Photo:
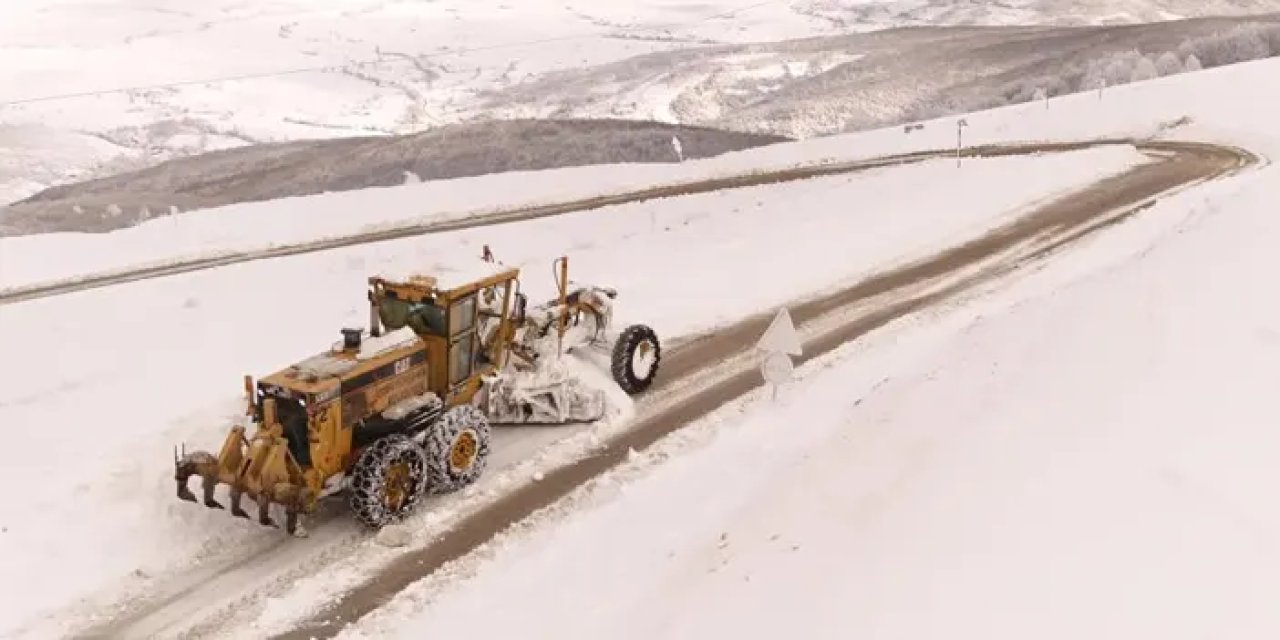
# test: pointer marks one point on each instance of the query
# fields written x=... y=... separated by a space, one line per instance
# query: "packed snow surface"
x=1086 y=451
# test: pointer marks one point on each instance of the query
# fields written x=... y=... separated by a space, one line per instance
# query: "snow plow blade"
x=530 y=398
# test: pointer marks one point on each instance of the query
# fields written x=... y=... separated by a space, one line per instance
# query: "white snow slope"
x=1086 y=451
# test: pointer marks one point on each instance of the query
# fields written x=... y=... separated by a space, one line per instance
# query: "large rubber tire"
x=628 y=370
x=374 y=501
x=457 y=448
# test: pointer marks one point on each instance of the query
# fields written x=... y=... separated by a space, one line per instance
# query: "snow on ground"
x=158 y=362
x=113 y=378
x=1086 y=453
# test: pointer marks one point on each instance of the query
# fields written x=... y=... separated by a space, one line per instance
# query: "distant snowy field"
x=457 y=48
x=377 y=66
x=1085 y=452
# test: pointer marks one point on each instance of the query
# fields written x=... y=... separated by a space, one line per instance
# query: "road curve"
x=62 y=287
x=898 y=292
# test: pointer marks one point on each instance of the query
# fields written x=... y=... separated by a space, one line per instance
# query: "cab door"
x=463 y=341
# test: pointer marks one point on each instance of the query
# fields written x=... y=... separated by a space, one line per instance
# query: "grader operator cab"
x=404 y=408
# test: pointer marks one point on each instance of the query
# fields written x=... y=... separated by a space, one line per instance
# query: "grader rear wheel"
x=387 y=480
x=457 y=448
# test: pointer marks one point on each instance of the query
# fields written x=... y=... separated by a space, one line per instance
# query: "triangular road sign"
x=781 y=336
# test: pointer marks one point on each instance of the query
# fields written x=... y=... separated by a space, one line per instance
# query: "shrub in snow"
x=1144 y=69
x=1117 y=68
x=1239 y=44
x=1168 y=64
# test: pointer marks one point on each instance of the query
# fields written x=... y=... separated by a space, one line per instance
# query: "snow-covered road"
x=139 y=335
x=1086 y=454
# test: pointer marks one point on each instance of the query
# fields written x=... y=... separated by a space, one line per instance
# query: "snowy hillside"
x=292 y=69
x=835 y=84
x=1084 y=451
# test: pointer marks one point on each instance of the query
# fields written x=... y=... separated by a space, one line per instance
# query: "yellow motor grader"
x=404 y=408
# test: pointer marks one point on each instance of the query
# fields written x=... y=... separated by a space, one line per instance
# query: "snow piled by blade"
x=619 y=406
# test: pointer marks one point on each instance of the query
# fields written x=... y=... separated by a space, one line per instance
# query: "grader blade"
x=524 y=398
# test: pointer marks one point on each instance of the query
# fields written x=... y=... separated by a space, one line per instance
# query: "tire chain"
x=438 y=443
x=369 y=476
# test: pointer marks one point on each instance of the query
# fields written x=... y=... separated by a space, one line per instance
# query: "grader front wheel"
x=635 y=360
x=387 y=480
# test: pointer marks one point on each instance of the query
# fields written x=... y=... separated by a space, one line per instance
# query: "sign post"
x=779 y=342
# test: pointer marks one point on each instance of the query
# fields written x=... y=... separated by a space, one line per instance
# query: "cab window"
x=462 y=316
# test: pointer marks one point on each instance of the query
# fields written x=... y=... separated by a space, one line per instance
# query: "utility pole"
x=960 y=125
